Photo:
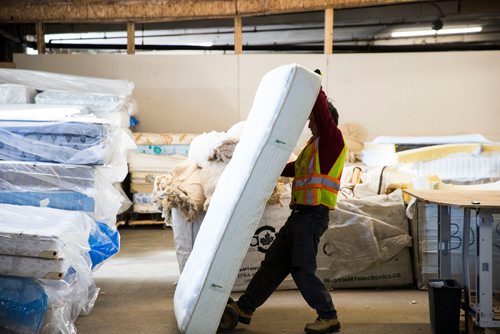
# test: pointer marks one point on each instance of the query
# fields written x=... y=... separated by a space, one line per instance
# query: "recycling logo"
x=263 y=238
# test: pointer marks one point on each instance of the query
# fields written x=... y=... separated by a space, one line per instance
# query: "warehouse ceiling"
x=265 y=29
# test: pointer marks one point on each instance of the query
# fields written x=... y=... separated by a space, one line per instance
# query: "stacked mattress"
x=11 y=93
x=59 y=186
x=58 y=204
x=67 y=187
x=115 y=108
x=454 y=158
x=156 y=154
x=40 y=247
x=72 y=141
x=282 y=104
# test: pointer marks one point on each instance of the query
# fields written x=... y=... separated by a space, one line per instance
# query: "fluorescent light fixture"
x=430 y=32
x=465 y=30
x=205 y=44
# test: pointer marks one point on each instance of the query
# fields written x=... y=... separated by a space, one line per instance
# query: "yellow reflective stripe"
x=316 y=186
x=313 y=157
x=315 y=196
x=317 y=181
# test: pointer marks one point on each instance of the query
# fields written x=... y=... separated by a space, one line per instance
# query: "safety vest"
x=310 y=187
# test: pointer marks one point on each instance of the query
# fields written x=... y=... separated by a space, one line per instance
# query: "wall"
x=400 y=94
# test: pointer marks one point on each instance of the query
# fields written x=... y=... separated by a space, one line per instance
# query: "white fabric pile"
x=189 y=187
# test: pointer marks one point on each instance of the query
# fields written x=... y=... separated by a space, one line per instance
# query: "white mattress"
x=281 y=107
x=144 y=208
x=41 y=242
x=462 y=162
x=11 y=265
x=10 y=93
x=139 y=162
x=434 y=140
x=460 y=167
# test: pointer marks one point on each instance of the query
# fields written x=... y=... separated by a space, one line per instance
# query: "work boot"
x=243 y=316
x=323 y=326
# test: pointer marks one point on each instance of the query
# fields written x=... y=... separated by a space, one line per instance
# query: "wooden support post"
x=40 y=38
x=130 y=38
x=238 y=35
x=329 y=30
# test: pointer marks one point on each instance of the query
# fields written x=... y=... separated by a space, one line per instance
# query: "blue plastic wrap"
x=104 y=242
x=23 y=304
x=64 y=200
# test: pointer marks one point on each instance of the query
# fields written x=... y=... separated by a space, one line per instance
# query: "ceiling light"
x=430 y=32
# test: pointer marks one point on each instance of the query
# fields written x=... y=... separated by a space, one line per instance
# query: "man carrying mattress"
x=316 y=173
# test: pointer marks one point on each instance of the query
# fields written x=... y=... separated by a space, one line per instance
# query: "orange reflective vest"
x=310 y=187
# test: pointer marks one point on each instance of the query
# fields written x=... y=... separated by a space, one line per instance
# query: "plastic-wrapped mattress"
x=66 y=200
x=13 y=265
x=58 y=186
x=42 y=242
x=10 y=93
x=55 y=81
x=74 y=142
x=282 y=104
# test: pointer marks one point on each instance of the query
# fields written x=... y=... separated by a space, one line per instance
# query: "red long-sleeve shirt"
x=331 y=141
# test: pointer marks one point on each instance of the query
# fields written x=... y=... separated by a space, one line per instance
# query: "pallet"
x=145 y=222
x=121 y=223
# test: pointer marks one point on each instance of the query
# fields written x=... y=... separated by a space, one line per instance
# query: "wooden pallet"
x=145 y=222
x=120 y=223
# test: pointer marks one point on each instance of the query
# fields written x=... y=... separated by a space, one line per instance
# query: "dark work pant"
x=293 y=251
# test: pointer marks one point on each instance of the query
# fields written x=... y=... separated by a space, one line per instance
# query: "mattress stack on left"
x=58 y=205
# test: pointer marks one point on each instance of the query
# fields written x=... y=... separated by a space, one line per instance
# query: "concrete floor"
x=137 y=288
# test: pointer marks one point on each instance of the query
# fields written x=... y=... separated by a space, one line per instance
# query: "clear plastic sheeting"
x=72 y=142
x=64 y=236
x=16 y=94
x=95 y=103
x=69 y=298
x=37 y=112
x=55 y=81
x=115 y=108
x=60 y=186
x=29 y=305
x=63 y=135
x=40 y=241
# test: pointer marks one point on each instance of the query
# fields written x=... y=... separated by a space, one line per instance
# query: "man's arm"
x=331 y=141
x=289 y=170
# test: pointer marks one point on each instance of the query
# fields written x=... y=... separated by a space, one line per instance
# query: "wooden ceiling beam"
x=108 y=11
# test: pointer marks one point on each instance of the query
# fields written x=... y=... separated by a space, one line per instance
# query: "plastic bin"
x=445 y=298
